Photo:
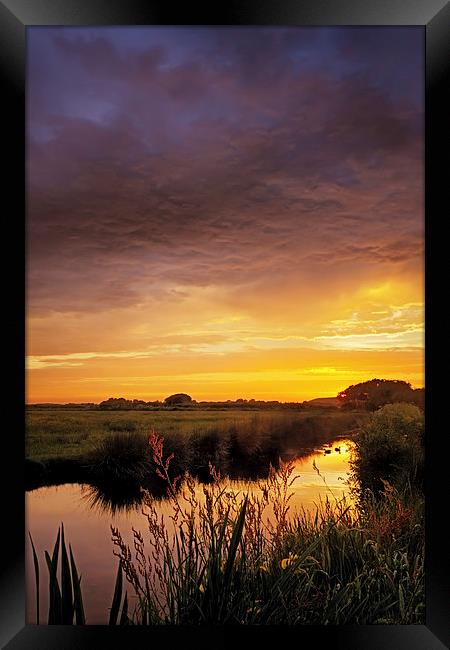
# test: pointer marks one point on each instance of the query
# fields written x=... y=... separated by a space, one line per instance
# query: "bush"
x=390 y=448
x=179 y=399
x=121 y=456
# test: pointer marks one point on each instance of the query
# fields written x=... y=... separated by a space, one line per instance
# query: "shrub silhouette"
x=378 y=392
x=177 y=399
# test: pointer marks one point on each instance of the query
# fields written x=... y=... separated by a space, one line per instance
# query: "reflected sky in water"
x=87 y=524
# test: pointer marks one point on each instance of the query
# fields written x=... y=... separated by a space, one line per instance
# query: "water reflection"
x=112 y=499
x=119 y=496
x=88 y=512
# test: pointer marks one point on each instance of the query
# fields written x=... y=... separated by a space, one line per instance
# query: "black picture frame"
x=15 y=17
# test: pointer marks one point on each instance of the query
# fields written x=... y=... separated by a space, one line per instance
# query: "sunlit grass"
x=71 y=434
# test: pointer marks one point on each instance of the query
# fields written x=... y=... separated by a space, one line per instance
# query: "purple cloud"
x=196 y=157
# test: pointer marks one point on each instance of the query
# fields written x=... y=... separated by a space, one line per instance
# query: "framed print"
x=224 y=288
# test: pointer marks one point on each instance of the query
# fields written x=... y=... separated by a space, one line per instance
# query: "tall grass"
x=228 y=557
x=64 y=591
x=106 y=449
x=65 y=598
x=241 y=449
x=72 y=434
x=122 y=456
x=223 y=560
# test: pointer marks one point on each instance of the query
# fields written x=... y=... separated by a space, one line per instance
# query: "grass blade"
x=124 y=620
x=54 y=610
x=36 y=573
x=78 y=598
x=234 y=542
x=232 y=551
x=56 y=551
x=117 y=598
x=66 y=585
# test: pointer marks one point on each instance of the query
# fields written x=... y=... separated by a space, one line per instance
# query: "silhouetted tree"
x=378 y=392
x=177 y=399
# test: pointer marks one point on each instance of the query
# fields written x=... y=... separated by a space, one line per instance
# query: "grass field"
x=225 y=563
x=71 y=434
x=350 y=563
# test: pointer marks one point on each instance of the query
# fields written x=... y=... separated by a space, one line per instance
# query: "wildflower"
x=168 y=459
x=287 y=561
x=156 y=444
x=202 y=588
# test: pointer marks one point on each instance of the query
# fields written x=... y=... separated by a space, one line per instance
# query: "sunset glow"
x=226 y=212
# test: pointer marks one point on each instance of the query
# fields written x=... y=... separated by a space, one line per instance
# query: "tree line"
x=369 y=395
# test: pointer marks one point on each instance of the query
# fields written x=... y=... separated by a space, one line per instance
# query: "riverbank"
x=281 y=560
x=93 y=447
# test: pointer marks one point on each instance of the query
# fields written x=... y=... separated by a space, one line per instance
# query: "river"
x=87 y=525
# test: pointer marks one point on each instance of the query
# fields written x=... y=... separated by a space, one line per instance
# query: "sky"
x=227 y=212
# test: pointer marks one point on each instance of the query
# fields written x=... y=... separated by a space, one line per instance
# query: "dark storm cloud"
x=217 y=156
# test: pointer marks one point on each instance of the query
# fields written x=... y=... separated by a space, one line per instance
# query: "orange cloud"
x=242 y=219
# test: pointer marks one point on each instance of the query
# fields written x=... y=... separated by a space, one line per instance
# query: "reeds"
x=223 y=560
x=64 y=588
x=226 y=557
x=121 y=457
x=117 y=600
x=65 y=598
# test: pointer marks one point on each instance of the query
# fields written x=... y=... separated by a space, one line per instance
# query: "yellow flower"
x=202 y=589
x=287 y=561
x=265 y=567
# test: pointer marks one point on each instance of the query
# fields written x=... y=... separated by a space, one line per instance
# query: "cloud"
x=177 y=176
x=290 y=373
